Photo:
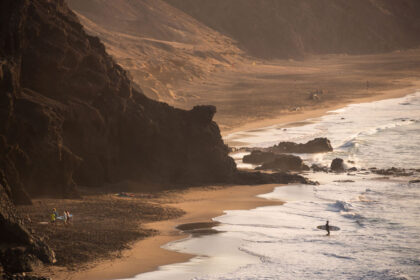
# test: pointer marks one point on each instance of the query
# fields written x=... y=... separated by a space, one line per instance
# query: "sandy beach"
x=294 y=118
x=200 y=206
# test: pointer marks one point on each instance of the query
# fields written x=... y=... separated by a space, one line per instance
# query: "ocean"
x=379 y=216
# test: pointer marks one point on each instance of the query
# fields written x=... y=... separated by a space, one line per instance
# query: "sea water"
x=379 y=216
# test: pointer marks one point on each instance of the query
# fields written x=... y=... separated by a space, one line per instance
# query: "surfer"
x=327 y=228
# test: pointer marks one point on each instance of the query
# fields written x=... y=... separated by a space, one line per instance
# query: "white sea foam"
x=379 y=219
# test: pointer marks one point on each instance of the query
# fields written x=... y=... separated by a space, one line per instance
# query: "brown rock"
x=317 y=145
x=284 y=163
x=337 y=165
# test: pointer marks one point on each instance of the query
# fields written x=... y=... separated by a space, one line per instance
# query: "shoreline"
x=192 y=200
x=287 y=118
x=200 y=205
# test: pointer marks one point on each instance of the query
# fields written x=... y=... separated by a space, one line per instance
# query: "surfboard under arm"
x=332 y=228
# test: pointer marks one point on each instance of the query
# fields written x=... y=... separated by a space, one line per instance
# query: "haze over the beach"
x=154 y=139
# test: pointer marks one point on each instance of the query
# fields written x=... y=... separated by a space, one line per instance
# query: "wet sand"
x=200 y=206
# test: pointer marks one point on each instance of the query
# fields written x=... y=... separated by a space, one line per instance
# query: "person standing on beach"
x=327 y=227
x=53 y=218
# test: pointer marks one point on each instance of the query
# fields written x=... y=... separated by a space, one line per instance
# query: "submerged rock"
x=392 y=171
x=337 y=165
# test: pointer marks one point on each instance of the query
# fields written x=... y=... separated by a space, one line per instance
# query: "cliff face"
x=290 y=28
x=72 y=117
x=69 y=116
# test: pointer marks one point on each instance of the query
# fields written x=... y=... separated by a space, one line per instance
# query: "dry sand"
x=200 y=205
x=261 y=93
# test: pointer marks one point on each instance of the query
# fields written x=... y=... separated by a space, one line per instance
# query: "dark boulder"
x=337 y=165
x=317 y=145
x=259 y=157
x=284 y=163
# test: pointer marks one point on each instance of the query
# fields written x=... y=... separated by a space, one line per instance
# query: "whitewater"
x=379 y=216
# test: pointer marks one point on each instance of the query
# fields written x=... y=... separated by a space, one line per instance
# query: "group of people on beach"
x=67 y=217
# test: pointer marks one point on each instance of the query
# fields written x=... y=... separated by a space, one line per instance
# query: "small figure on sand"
x=327 y=227
x=54 y=215
x=67 y=216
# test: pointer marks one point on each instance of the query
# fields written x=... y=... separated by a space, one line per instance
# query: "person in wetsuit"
x=327 y=228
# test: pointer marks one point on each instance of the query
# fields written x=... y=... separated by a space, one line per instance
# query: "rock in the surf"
x=259 y=157
x=285 y=163
x=317 y=145
x=337 y=165
x=392 y=171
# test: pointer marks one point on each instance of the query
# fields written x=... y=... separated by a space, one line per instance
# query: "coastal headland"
x=139 y=168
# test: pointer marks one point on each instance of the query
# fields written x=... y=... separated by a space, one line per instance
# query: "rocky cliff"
x=72 y=116
x=291 y=28
x=69 y=116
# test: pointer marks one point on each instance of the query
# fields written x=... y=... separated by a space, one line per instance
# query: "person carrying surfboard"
x=327 y=227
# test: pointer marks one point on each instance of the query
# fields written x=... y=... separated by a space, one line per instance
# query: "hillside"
x=289 y=28
x=159 y=45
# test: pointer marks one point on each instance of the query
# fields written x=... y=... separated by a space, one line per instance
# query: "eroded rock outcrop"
x=317 y=145
x=259 y=157
x=284 y=163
